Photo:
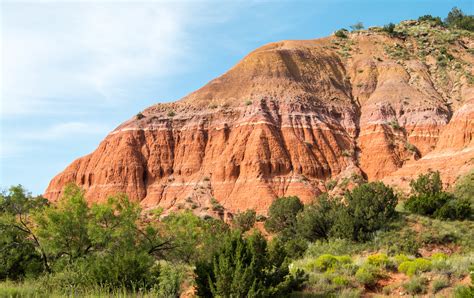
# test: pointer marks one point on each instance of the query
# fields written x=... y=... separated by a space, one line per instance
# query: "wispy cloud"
x=66 y=130
x=85 y=51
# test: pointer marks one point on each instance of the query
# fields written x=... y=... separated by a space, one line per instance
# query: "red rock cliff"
x=292 y=116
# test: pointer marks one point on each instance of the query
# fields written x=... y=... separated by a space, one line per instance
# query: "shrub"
x=282 y=215
x=410 y=147
x=464 y=188
x=416 y=266
x=245 y=267
x=341 y=33
x=245 y=220
x=346 y=153
x=427 y=204
x=463 y=292
x=389 y=28
x=340 y=280
x=170 y=279
x=433 y=20
x=379 y=260
x=400 y=259
x=367 y=276
x=369 y=207
x=331 y=184
x=171 y=114
x=139 y=116
x=416 y=285
x=394 y=124
x=454 y=209
x=439 y=284
x=429 y=199
x=327 y=262
x=248 y=102
x=316 y=220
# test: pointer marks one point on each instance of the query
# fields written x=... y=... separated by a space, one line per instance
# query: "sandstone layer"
x=294 y=117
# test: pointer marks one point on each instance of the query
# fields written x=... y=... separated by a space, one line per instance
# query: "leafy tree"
x=245 y=267
x=316 y=220
x=63 y=228
x=357 y=26
x=20 y=254
x=368 y=208
x=282 y=215
x=457 y=19
x=194 y=238
x=245 y=220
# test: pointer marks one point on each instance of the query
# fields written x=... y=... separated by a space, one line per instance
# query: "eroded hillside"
x=297 y=118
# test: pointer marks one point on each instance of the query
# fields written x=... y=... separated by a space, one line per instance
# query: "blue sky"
x=73 y=71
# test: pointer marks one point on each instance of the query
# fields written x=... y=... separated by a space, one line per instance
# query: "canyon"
x=297 y=117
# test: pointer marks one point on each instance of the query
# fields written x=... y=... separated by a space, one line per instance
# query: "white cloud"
x=54 y=54
x=66 y=130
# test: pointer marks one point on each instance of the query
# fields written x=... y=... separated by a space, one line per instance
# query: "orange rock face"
x=289 y=118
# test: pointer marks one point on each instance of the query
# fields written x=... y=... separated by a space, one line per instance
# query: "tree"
x=245 y=220
x=282 y=215
x=194 y=238
x=244 y=267
x=357 y=26
x=428 y=198
x=20 y=253
x=316 y=220
x=368 y=208
x=457 y=19
x=454 y=16
x=427 y=184
x=63 y=228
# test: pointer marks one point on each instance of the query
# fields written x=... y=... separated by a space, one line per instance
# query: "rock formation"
x=292 y=118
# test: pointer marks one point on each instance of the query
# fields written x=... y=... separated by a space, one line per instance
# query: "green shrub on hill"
x=429 y=199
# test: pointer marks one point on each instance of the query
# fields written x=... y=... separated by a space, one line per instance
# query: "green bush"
x=328 y=262
x=440 y=283
x=454 y=209
x=369 y=207
x=430 y=19
x=379 y=260
x=245 y=267
x=464 y=188
x=170 y=280
x=367 y=276
x=316 y=220
x=463 y=292
x=416 y=266
x=282 y=215
x=429 y=199
x=341 y=33
x=245 y=220
x=416 y=285
x=389 y=28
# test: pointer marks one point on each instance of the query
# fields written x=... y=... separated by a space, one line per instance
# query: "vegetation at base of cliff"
x=345 y=245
